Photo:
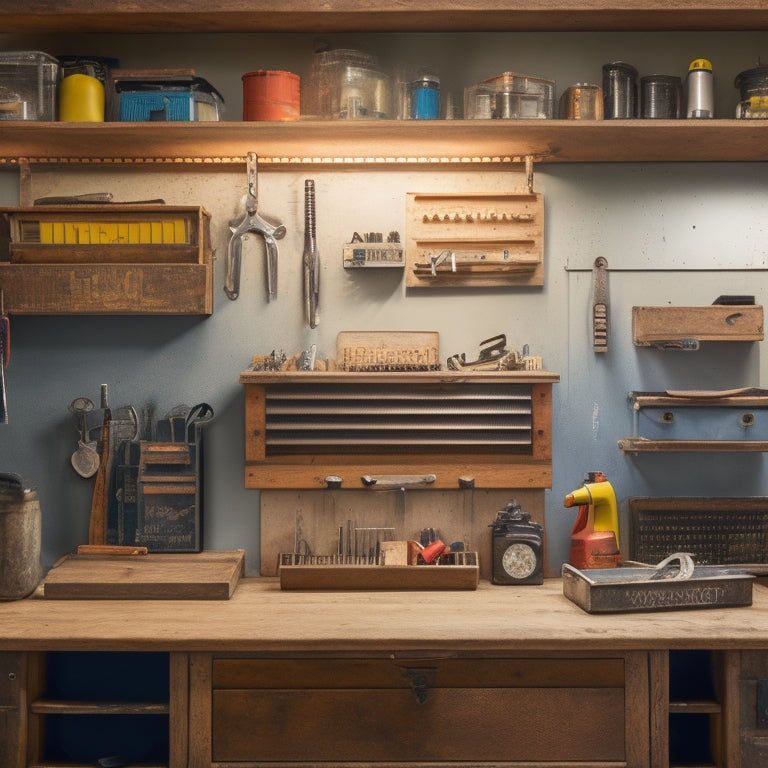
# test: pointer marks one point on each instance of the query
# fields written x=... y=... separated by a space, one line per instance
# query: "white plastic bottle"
x=699 y=89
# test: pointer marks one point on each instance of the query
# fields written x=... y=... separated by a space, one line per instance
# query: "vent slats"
x=338 y=415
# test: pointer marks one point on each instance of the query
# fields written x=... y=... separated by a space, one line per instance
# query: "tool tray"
x=641 y=587
x=119 y=259
x=328 y=574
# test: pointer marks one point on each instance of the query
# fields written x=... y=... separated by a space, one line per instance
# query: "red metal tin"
x=271 y=95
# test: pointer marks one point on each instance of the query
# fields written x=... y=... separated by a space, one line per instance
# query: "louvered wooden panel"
x=492 y=428
x=338 y=416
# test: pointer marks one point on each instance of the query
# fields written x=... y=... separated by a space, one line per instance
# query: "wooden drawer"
x=357 y=710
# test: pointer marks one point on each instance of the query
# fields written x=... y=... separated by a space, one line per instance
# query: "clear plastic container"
x=510 y=96
x=347 y=84
x=28 y=83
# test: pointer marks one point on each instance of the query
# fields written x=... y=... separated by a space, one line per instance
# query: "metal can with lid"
x=583 y=101
x=20 y=538
x=699 y=87
x=660 y=96
x=620 y=91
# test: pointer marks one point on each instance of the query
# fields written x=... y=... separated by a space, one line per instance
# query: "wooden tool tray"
x=378 y=577
x=106 y=259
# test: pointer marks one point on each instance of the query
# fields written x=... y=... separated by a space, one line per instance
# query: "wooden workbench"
x=261 y=617
x=271 y=678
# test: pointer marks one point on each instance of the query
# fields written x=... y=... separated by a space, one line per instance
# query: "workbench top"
x=260 y=617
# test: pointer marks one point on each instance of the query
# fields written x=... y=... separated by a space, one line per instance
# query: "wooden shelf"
x=412 y=143
x=672 y=326
x=695 y=707
x=735 y=399
x=168 y=16
x=56 y=707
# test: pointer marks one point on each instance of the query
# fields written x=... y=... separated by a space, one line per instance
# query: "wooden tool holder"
x=117 y=259
x=157 y=494
x=487 y=240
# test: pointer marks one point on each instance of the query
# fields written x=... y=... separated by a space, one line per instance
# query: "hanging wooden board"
x=474 y=240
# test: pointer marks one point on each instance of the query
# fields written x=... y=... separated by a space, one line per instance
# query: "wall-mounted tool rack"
x=120 y=259
x=474 y=240
x=720 y=419
x=493 y=429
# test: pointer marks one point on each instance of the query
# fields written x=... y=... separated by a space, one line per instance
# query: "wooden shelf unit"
x=415 y=143
x=166 y=16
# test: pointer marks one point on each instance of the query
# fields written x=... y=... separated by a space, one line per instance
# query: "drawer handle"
x=395 y=482
x=418 y=677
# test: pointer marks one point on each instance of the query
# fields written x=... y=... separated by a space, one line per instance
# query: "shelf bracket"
x=529 y=172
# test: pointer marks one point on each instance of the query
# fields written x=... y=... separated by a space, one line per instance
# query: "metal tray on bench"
x=639 y=587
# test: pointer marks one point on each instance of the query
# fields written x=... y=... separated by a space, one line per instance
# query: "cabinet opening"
x=98 y=705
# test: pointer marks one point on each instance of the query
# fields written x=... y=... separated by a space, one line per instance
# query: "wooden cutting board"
x=209 y=575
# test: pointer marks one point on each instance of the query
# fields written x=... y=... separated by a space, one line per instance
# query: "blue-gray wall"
x=672 y=233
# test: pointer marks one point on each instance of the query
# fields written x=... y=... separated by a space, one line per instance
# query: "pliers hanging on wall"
x=252 y=222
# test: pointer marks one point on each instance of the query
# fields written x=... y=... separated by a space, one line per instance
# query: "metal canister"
x=753 y=89
x=20 y=538
x=699 y=86
x=752 y=82
x=620 y=91
x=582 y=101
x=661 y=96
x=270 y=94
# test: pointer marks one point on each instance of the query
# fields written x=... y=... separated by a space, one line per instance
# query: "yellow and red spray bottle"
x=595 y=534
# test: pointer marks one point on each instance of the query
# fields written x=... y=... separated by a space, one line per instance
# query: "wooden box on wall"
x=113 y=259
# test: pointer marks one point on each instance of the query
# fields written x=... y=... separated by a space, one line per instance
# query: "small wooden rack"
x=667 y=326
x=734 y=400
x=117 y=259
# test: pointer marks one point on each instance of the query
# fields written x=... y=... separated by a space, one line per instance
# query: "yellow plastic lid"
x=700 y=64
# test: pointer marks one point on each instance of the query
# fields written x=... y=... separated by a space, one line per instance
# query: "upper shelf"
x=409 y=142
x=170 y=16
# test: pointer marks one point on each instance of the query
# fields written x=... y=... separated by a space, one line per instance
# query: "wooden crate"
x=121 y=259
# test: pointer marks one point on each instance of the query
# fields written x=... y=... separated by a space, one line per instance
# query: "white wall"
x=672 y=233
